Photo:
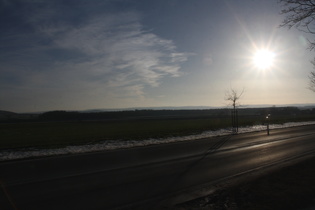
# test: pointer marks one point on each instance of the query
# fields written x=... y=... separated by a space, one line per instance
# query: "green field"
x=59 y=134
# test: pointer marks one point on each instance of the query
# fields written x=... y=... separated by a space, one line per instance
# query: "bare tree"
x=301 y=14
x=233 y=97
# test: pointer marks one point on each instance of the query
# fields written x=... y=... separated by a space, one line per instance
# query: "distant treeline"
x=136 y=114
x=154 y=114
x=165 y=114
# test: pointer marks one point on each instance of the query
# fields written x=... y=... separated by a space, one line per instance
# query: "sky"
x=98 y=54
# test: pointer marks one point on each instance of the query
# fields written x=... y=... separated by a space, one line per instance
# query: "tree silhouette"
x=301 y=14
x=312 y=81
x=233 y=97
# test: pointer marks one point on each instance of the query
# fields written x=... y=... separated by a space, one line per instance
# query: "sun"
x=263 y=59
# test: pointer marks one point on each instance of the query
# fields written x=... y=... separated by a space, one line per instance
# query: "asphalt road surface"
x=145 y=177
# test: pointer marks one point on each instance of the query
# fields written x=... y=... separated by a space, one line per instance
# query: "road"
x=145 y=177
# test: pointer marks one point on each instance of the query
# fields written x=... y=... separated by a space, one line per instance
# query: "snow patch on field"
x=117 y=144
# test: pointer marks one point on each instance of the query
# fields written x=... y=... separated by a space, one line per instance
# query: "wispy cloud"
x=109 y=52
x=117 y=52
x=208 y=59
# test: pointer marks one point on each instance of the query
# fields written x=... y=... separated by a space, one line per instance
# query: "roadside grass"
x=60 y=134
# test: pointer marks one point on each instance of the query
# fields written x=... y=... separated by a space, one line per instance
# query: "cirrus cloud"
x=116 y=52
x=104 y=55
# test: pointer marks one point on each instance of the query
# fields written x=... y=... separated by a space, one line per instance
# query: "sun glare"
x=263 y=59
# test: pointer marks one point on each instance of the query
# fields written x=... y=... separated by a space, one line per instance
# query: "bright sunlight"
x=263 y=59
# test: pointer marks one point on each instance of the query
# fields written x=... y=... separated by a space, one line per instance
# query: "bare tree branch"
x=233 y=97
x=301 y=14
x=312 y=81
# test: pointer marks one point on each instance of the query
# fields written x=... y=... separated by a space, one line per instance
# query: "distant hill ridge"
x=6 y=114
x=155 y=113
x=300 y=106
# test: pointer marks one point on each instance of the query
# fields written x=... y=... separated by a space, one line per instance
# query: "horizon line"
x=169 y=108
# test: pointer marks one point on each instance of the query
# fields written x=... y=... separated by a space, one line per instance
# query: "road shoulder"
x=291 y=186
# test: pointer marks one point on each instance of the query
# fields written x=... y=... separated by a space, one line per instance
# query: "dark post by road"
x=268 y=120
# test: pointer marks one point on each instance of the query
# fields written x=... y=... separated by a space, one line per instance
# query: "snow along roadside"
x=117 y=144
